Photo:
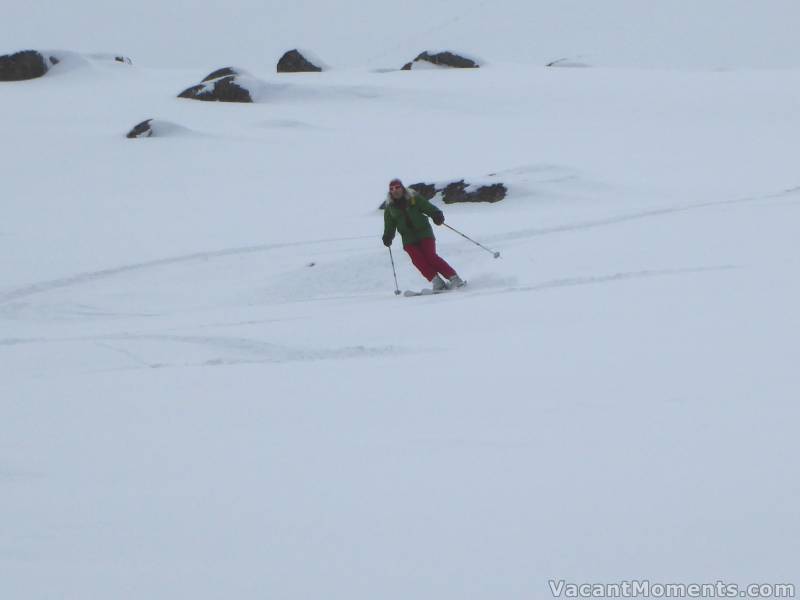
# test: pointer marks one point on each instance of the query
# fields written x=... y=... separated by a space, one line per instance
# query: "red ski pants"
x=424 y=257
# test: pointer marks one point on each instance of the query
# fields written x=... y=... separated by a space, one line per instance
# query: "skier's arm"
x=389 y=227
x=429 y=209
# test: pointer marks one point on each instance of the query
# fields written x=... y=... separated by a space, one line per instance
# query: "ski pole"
x=394 y=272
x=492 y=252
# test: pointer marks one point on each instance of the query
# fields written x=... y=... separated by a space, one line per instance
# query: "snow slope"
x=355 y=33
x=191 y=409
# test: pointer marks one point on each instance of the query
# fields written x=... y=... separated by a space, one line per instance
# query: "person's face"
x=396 y=191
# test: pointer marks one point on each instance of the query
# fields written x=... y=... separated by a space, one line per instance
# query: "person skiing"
x=407 y=211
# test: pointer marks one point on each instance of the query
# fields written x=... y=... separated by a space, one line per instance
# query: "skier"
x=407 y=211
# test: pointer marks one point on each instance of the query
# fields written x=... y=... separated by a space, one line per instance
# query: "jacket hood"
x=409 y=194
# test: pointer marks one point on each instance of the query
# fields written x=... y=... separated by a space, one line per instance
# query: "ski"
x=426 y=292
x=430 y=292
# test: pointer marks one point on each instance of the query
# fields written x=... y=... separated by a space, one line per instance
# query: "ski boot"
x=438 y=284
x=456 y=282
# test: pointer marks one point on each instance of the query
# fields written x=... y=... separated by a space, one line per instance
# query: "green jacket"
x=410 y=218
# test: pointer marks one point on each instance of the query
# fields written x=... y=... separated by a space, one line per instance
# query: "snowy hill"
x=209 y=390
x=354 y=33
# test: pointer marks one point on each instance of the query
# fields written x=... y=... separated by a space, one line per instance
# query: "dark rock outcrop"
x=426 y=190
x=458 y=191
x=443 y=59
x=294 y=62
x=157 y=128
x=142 y=130
x=223 y=72
x=567 y=63
x=28 y=64
x=221 y=85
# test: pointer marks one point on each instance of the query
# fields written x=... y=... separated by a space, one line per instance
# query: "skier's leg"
x=428 y=246
x=420 y=261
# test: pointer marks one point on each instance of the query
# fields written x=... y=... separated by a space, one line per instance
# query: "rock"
x=426 y=190
x=28 y=64
x=443 y=59
x=142 y=130
x=223 y=72
x=109 y=57
x=222 y=85
x=459 y=191
x=567 y=63
x=294 y=62
x=157 y=128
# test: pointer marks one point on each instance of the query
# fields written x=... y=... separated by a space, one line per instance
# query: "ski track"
x=233 y=351
x=313 y=356
x=259 y=351
x=615 y=277
x=471 y=292
x=656 y=212
x=93 y=276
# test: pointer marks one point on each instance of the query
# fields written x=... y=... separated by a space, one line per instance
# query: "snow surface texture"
x=209 y=390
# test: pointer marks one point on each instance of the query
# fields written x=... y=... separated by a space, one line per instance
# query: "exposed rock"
x=223 y=72
x=109 y=57
x=443 y=59
x=157 y=128
x=459 y=191
x=142 y=130
x=567 y=63
x=426 y=190
x=294 y=62
x=28 y=64
x=222 y=85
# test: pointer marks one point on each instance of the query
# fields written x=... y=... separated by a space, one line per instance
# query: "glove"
x=387 y=241
x=438 y=218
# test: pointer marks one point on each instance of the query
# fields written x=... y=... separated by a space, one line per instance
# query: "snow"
x=628 y=33
x=208 y=388
x=424 y=65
